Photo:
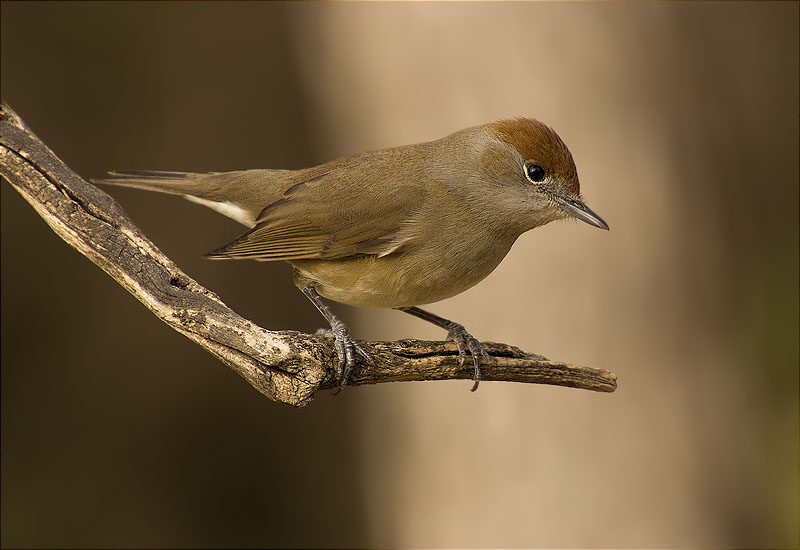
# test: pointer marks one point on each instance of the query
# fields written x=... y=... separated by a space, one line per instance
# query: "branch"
x=285 y=366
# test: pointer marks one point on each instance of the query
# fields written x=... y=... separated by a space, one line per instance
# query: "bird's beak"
x=581 y=211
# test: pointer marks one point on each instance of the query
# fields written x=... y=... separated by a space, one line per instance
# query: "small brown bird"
x=394 y=228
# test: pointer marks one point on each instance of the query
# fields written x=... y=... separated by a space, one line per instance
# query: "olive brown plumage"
x=394 y=228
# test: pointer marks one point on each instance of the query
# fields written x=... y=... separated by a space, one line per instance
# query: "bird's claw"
x=346 y=349
x=464 y=340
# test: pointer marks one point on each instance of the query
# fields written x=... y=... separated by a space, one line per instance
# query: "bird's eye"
x=534 y=172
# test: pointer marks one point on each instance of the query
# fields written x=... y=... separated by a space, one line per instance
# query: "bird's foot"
x=346 y=349
x=455 y=331
x=464 y=340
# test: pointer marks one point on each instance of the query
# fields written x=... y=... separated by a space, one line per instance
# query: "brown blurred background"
x=683 y=121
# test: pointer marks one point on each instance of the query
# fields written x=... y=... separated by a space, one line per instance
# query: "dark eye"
x=534 y=172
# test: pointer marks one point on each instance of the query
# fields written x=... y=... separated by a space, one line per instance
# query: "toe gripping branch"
x=463 y=339
x=346 y=347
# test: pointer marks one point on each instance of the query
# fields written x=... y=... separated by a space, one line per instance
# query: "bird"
x=393 y=228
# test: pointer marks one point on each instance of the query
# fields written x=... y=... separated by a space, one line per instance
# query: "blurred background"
x=683 y=121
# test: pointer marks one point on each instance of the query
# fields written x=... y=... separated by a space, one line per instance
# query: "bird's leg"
x=458 y=333
x=345 y=345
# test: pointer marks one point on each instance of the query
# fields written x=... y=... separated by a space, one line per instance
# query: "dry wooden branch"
x=284 y=366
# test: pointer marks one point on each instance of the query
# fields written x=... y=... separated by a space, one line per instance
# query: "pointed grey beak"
x=581 y=211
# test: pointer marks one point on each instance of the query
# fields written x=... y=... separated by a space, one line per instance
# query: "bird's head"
x=534 y=160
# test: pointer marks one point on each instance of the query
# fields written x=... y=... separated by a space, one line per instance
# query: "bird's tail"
x=239 y=195
x=174 y=183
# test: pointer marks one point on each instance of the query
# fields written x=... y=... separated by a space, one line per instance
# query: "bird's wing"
x=332 y=215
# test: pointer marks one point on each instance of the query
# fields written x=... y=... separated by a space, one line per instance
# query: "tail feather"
x=240 y=195
x=149 y=174
x=174 y=183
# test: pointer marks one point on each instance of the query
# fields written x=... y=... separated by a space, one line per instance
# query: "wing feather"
x=328 y=216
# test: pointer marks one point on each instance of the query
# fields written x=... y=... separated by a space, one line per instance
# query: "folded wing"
x=332 y=215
